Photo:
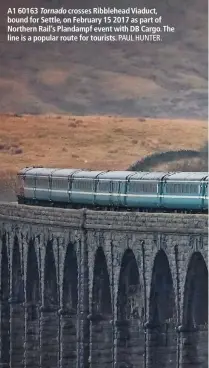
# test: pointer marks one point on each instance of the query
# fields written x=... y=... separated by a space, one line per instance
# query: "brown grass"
x=93 y=142
x=155 y=79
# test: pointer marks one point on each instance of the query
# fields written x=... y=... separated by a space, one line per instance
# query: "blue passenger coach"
x=144 y=190
x=113 y=189
x=184 y=190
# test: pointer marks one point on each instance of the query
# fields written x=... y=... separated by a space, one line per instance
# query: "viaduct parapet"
x=88 y=289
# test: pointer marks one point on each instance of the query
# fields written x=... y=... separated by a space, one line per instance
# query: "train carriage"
x=205 y=194
x=42 y=183
x=183 y=190
x=83 y=187
x=25 y=185
x=114 y=189
x=61 y=182
x=35 y=184
x=111 y=188
x=143 y=190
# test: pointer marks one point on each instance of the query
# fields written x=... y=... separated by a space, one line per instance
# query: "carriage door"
x=115 y=194
x=204 y=203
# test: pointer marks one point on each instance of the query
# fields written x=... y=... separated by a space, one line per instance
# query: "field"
x=96 y=142
x=92 y=142
x=166 y=79
x=65 y=104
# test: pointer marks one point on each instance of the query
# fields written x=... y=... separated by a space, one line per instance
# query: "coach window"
x=170 y=188
x=185 y=188
x=194 y=189
x=82 y=185
x=77 y=185
x=104 y=186
x=179 y=188
x=42 y=182
x=55 y=184
x=149 y=187
x=143 y=188
x=29 y=181
x=62 y=183
x=115 y=186
x=88 y=185
x=132 y=187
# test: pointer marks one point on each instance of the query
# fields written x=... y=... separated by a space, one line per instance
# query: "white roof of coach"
x=188 y=176
x=120 y=175
x=23 y=171
x=148 y=175
x=64 y=172
x=40 y=171
x=87 y=174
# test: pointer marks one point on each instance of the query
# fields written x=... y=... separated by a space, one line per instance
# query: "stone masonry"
x=88 y=289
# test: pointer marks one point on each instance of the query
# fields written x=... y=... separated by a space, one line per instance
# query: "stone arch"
x=32 y=354
x=17 y=279
x=130 y=314
x=50 y=279
x=69 y=310
x=70 y=280
x=17 y=309
x=5 y=310
x=162 y=297
x=32 y=280
x=162 y=349
x=101 y=294
x=100 y=325
x=49 y=315
x=195 y=313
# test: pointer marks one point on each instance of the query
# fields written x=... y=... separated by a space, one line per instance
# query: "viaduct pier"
x=88 y=289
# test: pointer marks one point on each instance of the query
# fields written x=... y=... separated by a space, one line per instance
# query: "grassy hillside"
x=93 y=142
x=166 y=79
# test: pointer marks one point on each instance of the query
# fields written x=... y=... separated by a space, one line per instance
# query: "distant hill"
x=167 y=79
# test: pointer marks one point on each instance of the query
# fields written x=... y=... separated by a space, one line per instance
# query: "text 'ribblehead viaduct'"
x=85 y=289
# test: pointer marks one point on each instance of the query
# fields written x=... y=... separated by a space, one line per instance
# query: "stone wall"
x=86 y=289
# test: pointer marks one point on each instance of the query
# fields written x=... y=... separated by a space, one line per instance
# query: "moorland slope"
x=167 y=79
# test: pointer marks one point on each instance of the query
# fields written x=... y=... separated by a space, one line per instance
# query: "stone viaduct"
x=87 y=289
